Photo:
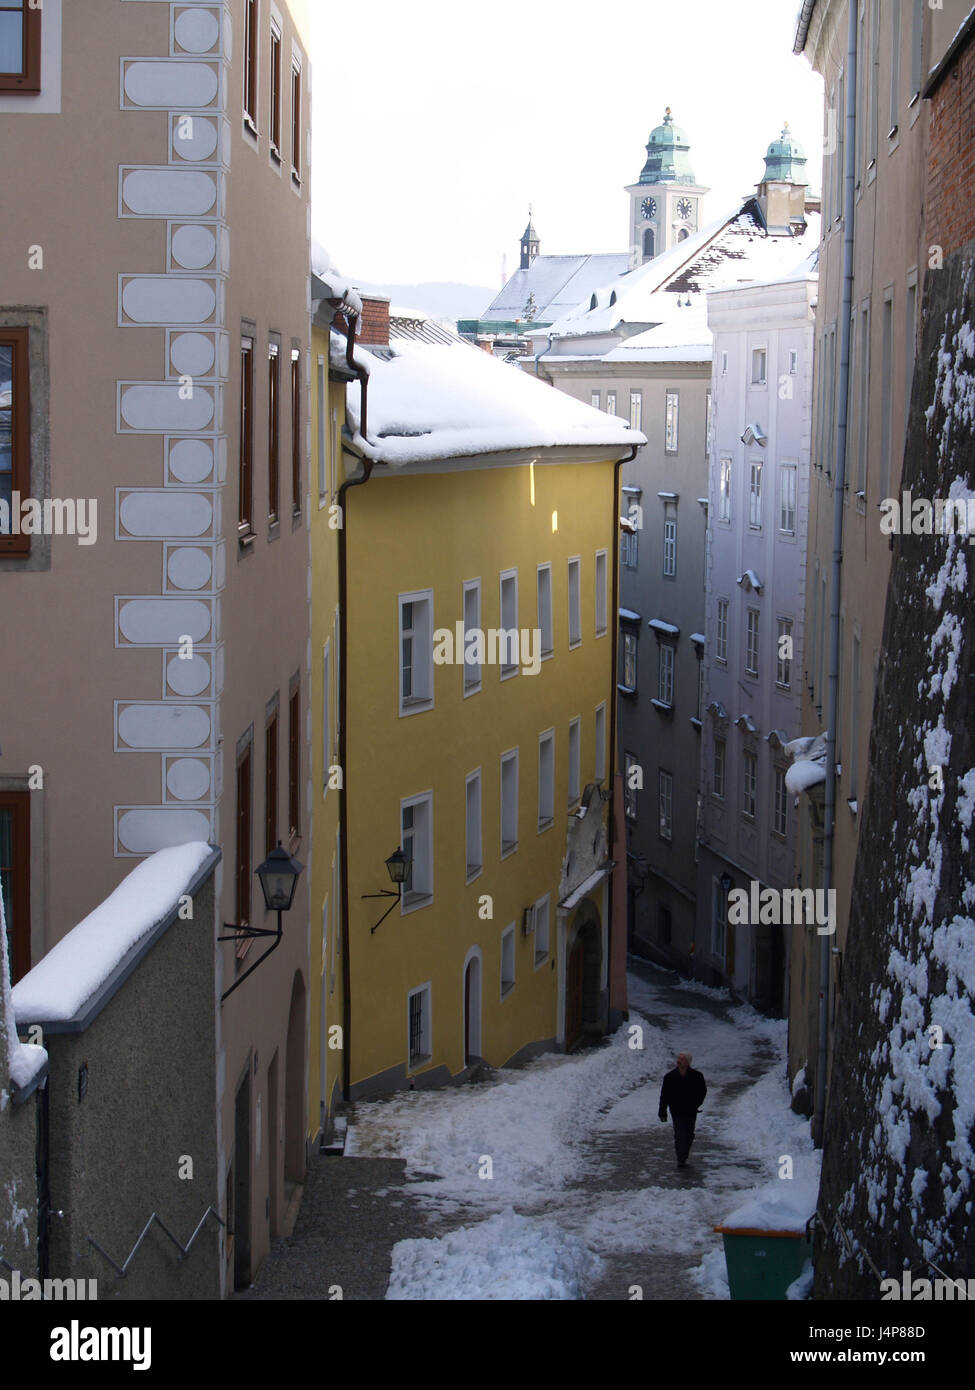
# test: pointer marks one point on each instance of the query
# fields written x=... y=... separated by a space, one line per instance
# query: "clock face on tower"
x=649 y=207
x=684 y=208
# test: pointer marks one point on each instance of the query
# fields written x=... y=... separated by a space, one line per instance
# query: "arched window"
x=649 y=243
x=683 y=234
x=612 y=298
x=593 y=302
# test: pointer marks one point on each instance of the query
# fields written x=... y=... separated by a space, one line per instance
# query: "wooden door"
x=573 y=995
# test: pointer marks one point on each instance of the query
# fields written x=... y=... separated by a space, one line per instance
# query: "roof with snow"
x=431 y=401
x=660 y=309
x=557 y=283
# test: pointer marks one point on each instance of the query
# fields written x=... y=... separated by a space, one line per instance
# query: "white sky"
x=437 y=122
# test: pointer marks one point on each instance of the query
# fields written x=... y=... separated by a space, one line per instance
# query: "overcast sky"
x=437 y=122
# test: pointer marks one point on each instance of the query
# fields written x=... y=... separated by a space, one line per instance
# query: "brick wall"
x=374 y=328
x=951 y=163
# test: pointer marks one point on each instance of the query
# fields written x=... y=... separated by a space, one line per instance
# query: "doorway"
x=242 y=1182
x=472 y=1008
x=294 y=1095
x=273 y=1161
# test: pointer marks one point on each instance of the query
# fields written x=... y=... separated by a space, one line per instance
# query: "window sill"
x=548 y=653
x=540 y=958
x=506 y=988
x=474 y=871
x=508 y=847
x=415 y=705
x=696 y=722
x=273 y=528
x=296 y=181
x=473 y=689
x=626 y=689
x=574 y=646
x=250 y=129
x=546 y=824
x=410 y=902
x=508 y=671
x=420 y=1060
x=662 y=706
x=275 y=153
x=245 y=539
x=601 y=631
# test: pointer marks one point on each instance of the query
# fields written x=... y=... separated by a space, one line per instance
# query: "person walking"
x=683 y=1094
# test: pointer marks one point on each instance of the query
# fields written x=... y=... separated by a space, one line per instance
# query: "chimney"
x=374 y=324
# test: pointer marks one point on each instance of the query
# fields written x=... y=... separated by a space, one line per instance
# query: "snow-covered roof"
x=628 y=616
x=750 y=580
x=557 y=283
x=26 y=1062
x=438 y=401
x=668 y=629
x=84 y=961
x=808 y=763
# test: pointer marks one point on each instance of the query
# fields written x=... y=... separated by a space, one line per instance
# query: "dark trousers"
x=683 y=1134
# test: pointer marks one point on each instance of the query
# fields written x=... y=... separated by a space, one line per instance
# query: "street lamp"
x=727 y=882
x=398 y=868
x=279 y=878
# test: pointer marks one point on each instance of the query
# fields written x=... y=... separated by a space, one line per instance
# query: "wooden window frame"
x=273 y=433
x=28 y=80
x=271 y=783
x=274 y=128
x=245 y=470
x=243 y=847
x=296 y=431
x=251 y=31
x=19 y=340
x=296 y=119
x=18 y=931
x=294 y=765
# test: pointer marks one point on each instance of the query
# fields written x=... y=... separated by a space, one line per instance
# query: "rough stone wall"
x=898 y=1152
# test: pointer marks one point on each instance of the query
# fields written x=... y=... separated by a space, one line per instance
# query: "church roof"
x=668 y=154
x=557 y=283
x=786 y=159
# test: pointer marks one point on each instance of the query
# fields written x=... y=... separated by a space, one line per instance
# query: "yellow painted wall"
x=437 y=530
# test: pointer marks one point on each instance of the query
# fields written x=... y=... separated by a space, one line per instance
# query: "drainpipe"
x=538 y=359
x=614 y=673
x=363 y=377
x=839 y=492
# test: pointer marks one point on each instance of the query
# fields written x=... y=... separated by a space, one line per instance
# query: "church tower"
x=782 y=192
x=529 y=244
x=666 y=203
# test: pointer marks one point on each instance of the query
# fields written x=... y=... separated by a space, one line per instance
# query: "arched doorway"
x=583 y=975
x=472 y=1006
x=294 y=1093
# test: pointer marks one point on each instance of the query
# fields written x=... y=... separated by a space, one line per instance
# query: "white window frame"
x=788 y=494
x=599 y=768
x=666 y=666
x=595 y=399
x=326 y=713
x=610 y=402
x=759 y=366
x=793 y=361
x=575 y=760
x=749 y=784
x=414 y=898
x=508 y=800
x=724 y=488
x=630 y=760
x=670 y=541
x=719 y=762
x=630 y=648
x=575 y=602
x=542 y=914
x=783 y=665
x=546 y=625
x=752 y=622
x=507 y=971
x=721 y=631
x=422 y=638
x=602 y=592
x=323 y=416
x=671 y=422
x=473 y=828
x=780 y=803
x=426 y=1028
x=508 y=577
x=755 y=467
x=724 y=363
x=636 y=410
x=473 y=674
x=665 y=805
x=546 y=780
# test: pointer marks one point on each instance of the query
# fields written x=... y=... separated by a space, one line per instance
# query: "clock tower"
x=666 y=203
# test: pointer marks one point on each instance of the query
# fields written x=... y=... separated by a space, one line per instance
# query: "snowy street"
x=580 y=1196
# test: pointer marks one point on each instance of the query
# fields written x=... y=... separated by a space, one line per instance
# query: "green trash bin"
x=762 y=1264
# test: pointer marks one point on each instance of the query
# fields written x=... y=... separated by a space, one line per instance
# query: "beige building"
x=876 y=136
x=154 y=341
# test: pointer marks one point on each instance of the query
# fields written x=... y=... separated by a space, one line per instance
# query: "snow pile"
x=434 y=401
x=24 y=1060
x=808 y=767
x=81 y=962
x=505 y=1257
x=711 y=1275
x=779 y=1206
x=801 y=1287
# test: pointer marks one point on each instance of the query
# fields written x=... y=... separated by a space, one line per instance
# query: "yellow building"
x=479 y=514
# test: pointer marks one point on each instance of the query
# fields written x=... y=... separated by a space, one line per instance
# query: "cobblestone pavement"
x=354 y=1210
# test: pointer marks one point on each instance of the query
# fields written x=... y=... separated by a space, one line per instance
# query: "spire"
x=529 y=243
x=668 y=151
x=785 y=161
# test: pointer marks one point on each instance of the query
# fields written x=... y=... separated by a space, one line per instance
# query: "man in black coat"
x=682 y=1093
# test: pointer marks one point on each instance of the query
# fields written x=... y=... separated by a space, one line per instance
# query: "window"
x=416 y=651
x=719 y=920
x=632 y=783
x=649 y=244
x=273 y=430
x=910 y=344
x=917 y=39
x=863 y=423
x=601 y=622
x=294 y=763
x=748 y=784
x=886 y=401
x=14 y=431
x=509 y=802
x=671 y=422
x=507 y=960
x=323 y=485
x=244 y=840
x=718 y=769
x=296 y=432
x=708 y=423
x=629 y=660
x=755 y=496
x=275 y=132
x=271 y=783
x=636 y=410
x=574 y=761
x=509 y=623
x=475 y=852
x=724 y=364
x=781 y=803
x=250 y=64
x=594 y=400
x=751 y=642
x=787 y=498
x=546 y=779
x=600 y=768
x=472 y=625
x=15 y=877
x=670 y=541
x=783 y=651
x=245 y=521
x=542 y=928
x=629 y=549
x=793 y=361
x=699 y=713
x=665 y=798
x=575 y=603
x=724 y=489
x=544 y=591
x=20 y=47
x=874 y=79
x=665 y=674
x=418 y=1024
x=759 y=366
x=610 y=402
x=721 y=631
x=326 y=712
x=854 y=718
x=416 y=841
x=296 y=123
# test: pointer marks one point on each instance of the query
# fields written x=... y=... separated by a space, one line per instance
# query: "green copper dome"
x=786 y=159
x=667 y=155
